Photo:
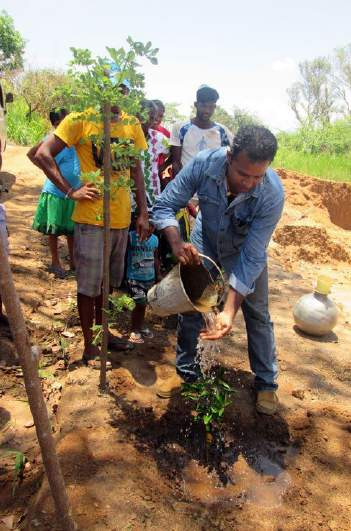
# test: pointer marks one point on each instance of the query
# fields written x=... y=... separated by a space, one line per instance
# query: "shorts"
x=138 y=289
x=88 y=254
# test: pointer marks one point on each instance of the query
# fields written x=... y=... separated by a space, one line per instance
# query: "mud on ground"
x=132 y=461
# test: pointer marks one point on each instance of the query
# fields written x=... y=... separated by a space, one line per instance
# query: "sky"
x=248 y=50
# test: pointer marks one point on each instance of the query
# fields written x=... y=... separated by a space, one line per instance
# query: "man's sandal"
x=95 y=362
x=146 y=332
x=114 y=343
x=136 y=337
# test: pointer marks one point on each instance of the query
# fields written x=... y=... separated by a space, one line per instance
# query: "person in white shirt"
x=199 y=133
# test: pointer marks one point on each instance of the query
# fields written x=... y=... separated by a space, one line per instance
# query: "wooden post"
x=35 y=396
x=107 y=244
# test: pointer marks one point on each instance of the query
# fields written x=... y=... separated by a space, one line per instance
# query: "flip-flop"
x=114 y=343
x=146 y=332
x=58 y=272
x=136 y=337
x=95 y=363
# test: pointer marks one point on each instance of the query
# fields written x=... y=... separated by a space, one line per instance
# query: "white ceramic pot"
x=315 y=314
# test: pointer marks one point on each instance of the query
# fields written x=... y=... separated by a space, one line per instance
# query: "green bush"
x=21 y=129
x=332 y=139
x=320 y=151
x=323 y=165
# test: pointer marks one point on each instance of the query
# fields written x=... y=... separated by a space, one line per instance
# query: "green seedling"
x=97 y=334
x=20 y=461
x=118 y=304
x=210 y=398
x=19 y=464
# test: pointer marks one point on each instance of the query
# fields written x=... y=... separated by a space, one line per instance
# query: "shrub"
x=21 y=129
x=332 y=139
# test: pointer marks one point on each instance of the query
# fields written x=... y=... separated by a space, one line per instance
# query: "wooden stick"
x=36 y=401
x=107 y=245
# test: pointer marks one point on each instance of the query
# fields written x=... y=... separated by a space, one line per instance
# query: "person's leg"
x=138 y=316
x=88 y=249
x=53 y=246
x=70 y=245
x=189 y=326
x=86 y=315
x=260 y=334
x=188 y=370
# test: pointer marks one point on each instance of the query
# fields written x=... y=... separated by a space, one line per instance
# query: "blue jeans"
x=260 y=336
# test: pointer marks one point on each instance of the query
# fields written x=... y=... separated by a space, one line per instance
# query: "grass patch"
x=20 y=129
x=322 y=165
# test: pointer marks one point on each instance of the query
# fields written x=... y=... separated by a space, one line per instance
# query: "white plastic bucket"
x=171 y=296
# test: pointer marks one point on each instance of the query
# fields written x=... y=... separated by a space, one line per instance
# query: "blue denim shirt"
x=236 y=236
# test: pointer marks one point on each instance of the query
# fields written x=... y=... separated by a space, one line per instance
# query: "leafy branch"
x=210 y=397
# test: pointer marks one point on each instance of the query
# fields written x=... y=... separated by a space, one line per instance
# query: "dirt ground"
x=132 y=461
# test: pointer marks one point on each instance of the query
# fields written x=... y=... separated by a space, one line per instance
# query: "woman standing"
x=54 y=210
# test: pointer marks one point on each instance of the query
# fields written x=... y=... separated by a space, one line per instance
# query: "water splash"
x=208 y=351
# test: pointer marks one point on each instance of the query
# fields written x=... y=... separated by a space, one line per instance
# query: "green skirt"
x=53 y=215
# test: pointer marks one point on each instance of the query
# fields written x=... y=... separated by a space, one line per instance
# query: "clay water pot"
x=315 y=313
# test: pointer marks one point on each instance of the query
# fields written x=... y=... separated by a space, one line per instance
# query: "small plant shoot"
x=209 y=397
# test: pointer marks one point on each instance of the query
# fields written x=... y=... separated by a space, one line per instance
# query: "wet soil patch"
x=176 y=443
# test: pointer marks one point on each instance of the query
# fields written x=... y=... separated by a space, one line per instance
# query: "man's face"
x=243 y=174
x=205 y=109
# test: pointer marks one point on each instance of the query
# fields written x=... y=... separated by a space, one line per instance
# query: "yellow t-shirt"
x=77 y=132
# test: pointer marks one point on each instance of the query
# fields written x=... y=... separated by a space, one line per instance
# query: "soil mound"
x=311 y=244
x=336 y=197
x=308 y=192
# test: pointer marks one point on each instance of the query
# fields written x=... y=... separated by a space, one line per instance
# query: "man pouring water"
x=241 y=201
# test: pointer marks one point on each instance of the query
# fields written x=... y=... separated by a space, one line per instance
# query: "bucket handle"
x=219 y=271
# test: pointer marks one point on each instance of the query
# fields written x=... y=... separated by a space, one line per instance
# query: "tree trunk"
x=35 y=396
x=107 y=245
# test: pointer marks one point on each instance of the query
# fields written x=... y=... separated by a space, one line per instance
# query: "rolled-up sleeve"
x=252 y=258
x=176 y=195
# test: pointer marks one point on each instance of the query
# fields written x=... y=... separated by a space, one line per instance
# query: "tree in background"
x=172 y=114
x=342 y=77
x=234 y=119
x=12 y=45
x=313 y=99
x=38 y=88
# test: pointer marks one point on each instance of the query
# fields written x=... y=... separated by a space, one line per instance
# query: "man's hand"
x=186 y=253
x=87 y=191
x=142 y=227
x=222 y=326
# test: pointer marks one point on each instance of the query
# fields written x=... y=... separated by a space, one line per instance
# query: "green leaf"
x=207 y=419
x=225 y=385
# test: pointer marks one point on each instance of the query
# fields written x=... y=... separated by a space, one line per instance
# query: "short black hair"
x=149 y=105
x=205 y=94
x=257 y=141
x=56 y=115
x=160 y=105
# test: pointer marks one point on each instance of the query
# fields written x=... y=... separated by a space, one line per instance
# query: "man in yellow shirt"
x=78 y=130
